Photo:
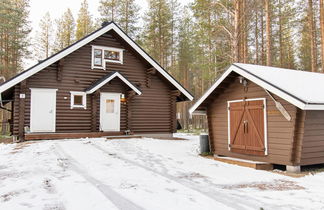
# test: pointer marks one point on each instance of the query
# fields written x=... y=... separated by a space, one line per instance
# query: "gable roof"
x=56 y=57
x=101 y=82
x=301 y=88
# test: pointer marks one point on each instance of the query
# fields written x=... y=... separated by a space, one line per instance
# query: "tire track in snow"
x=119 y=201
x=225 y=199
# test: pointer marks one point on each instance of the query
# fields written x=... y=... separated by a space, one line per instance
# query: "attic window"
x=101 y=55
x=78 y=100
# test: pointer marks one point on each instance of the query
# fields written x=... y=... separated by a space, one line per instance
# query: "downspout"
x=1 y=104
x=4 y=79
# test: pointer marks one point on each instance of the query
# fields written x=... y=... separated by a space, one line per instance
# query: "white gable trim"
x=210 y=90
x=116 y=74
x=262 y=84
x=82 y=42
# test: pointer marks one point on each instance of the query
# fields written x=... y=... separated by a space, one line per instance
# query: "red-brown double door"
x=246 y=127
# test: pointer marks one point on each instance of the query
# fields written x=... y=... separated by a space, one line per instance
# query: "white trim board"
x=111 y=26
x=264 y=116
x=293 y=100
x=84 y=99
x=116 y=74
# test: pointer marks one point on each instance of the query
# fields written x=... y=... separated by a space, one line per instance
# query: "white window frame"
x=84 y=99
x=265 y=121
x=103 y=48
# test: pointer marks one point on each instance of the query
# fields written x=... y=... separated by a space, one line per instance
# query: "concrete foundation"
x=293 y=169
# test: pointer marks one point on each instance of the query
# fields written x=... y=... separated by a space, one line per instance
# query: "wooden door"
x=42 y=110
x=247 y=127
x=110 y=112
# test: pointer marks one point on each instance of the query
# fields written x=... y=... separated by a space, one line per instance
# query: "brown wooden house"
x=266 y=114
x=104 y=84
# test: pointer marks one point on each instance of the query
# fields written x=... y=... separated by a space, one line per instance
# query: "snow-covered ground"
x=143 y=173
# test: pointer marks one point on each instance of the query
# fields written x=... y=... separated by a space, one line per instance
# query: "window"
x=110 y=106
x=101 y=55
x=97 y=57
x=78 y=100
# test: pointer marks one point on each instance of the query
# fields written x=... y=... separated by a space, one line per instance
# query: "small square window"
x=78 y=100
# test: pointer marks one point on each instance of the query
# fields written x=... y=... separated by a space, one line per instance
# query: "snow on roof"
x=305 y=85
x=301 y=88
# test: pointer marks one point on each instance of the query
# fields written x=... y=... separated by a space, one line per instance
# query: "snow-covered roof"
x=301 y=88
x=109 y=27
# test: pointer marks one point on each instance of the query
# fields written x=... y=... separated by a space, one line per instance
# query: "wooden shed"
x=266 y=114
x=104 y=84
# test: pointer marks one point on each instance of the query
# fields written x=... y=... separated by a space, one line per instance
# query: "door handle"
x=245 y=126
x=51 y=111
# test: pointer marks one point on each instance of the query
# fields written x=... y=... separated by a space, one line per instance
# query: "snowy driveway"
x=141 y=174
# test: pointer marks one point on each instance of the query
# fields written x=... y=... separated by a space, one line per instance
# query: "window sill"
x=78 y=107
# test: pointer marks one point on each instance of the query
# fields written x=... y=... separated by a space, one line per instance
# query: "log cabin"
x=266 y=114
x=103 y=84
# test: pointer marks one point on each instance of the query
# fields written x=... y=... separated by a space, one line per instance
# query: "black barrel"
x=204 y=144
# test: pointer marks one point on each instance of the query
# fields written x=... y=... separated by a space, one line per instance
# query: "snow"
x=305 y=85
x=141 y=174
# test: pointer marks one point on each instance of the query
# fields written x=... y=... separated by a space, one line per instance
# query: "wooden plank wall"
x=150 y=111
x=313 y=141
x=280 y=131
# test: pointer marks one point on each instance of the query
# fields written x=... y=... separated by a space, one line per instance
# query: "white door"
x=42 y=110
x=110 y=111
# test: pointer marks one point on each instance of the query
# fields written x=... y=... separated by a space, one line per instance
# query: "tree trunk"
x=236 y=35
x=256 y=38
x=312 y=35
x=280 y=35
x=322 y=31
x=268 y=31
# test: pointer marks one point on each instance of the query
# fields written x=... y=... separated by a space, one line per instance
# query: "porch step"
x=246 y=163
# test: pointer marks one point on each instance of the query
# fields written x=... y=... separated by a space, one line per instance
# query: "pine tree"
x=108 y=10
x=14 y=30
x=128 y=16
x=312 y=34
x=267 y=5
x=158 y=31
x=322 y=32
x=65 y=30
x=186 y=53
x=84 y=21
x=43 y=42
